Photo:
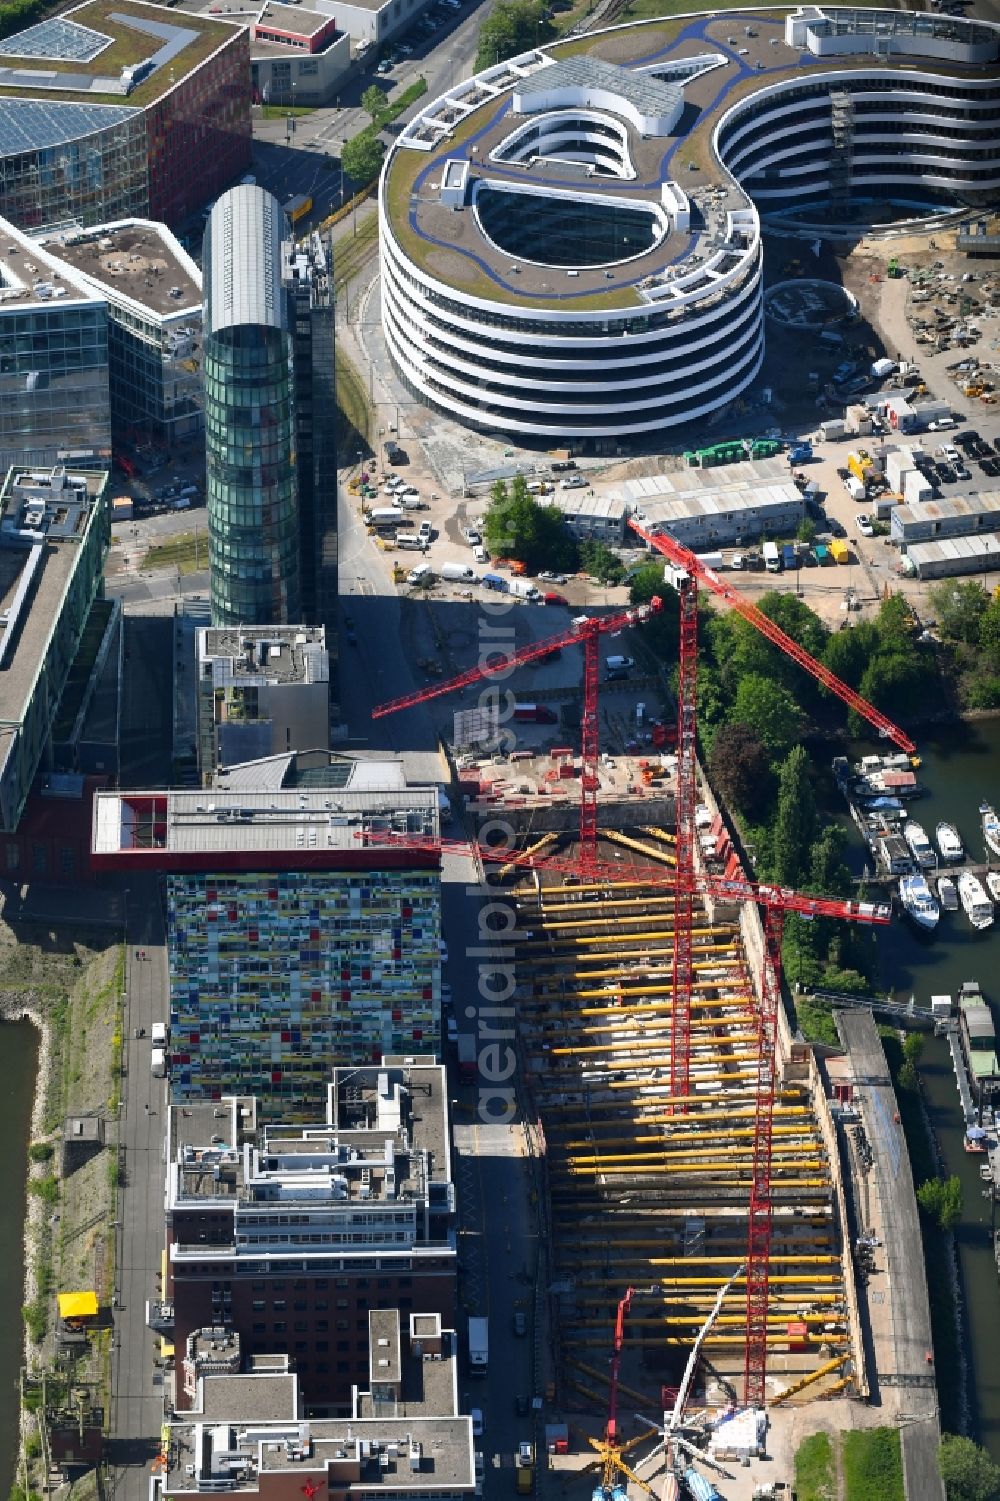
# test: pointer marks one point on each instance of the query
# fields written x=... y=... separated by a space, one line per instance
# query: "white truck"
x=386 y=516
x=479 y=1346
x=458 y=573
x=523 y=589
x=159 y=1034
x=772 y=557
x=158 y=1063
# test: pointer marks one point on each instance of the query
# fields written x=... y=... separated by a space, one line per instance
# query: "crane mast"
x=687 y=881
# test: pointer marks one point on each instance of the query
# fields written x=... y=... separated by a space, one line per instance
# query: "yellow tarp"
x=77 y=1305
x=166 y=1349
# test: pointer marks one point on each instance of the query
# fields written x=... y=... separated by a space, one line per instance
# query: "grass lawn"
x=187 y=552
x=873 y=1465
x=352 y=398
x=280 y=111
x=815 y=1476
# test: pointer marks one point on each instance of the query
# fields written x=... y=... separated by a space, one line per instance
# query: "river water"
x=961 y=766
x=17 y=1087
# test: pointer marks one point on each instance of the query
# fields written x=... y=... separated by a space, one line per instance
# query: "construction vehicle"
x=892 y=270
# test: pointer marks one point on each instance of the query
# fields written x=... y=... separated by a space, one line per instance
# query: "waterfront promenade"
x=904 y=1384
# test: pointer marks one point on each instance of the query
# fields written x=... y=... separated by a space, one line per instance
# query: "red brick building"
x=292 y=1234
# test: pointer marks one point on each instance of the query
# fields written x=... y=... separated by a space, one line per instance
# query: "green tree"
x=597 y=559
x=960 y=608
x=516 y=526
x=849 y=650
x=806 y=531
x=740 y=768
x=769 y=710
x=941 y=1200
x=895 y=682
x=373 y=101
x=969 y=1473
x=511 y=27
x=828 y=872
x=794 y=821
x=989 y=631
x=362 y=156
x=894 y=625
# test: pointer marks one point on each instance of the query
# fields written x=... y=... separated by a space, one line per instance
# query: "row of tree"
x=969 y=623
x=512 y=27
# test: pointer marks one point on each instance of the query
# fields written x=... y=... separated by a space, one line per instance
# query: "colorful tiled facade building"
x=276 y=976
x=294 y=943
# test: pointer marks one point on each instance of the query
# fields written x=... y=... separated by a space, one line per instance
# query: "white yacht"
x=993 y=884
x=949 y=843
x=918 y=902
x=947 y=894
x=977 y=905
x=920 y=846
x=991 y=827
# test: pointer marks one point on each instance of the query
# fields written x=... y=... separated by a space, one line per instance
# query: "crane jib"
x=684 y=558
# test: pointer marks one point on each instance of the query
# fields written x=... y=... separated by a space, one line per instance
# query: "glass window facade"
x=91 y=179
x=54 y=394
x=156 y=376
x=565 y=231
x=252 y=491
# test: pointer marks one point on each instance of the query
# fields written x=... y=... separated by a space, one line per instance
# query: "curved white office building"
x=570 y=240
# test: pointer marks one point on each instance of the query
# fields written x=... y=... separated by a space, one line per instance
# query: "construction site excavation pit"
x=809 y=304
x=651 y=1192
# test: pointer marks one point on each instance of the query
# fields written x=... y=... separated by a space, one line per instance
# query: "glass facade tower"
x=252 y=484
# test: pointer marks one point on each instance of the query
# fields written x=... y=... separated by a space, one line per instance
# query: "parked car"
x=522 y=1406
x=476 y=1414
x=520 y=1323
x=864 y=525
x=480 y=554
x=941 y=425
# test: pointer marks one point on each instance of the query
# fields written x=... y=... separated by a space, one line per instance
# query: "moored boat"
x=918 y=902
x=976 y=904
x=947 y=894
x=991 y=827
x=920 y=846
x=993 y=884
x=949 y=843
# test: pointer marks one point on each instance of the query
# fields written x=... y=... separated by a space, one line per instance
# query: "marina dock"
x=961 y=1073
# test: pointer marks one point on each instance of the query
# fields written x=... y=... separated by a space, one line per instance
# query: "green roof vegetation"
x=130 y=46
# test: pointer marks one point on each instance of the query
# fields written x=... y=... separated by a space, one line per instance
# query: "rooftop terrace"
x=138 y=259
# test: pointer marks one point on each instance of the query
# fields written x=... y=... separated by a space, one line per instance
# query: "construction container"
x=898 y=466
x=858 y=420
x=834 y=430
x=839 y=551
x=917 y=488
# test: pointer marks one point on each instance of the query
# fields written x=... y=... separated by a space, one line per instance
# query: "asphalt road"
x=303 y=155
x=137 y=1402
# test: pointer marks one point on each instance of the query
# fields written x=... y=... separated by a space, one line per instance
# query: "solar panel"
x=56 y=40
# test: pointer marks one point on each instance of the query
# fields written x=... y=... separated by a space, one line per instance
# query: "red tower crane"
x=759 y=1215
x=695 y=569
x=776 y=901
x=584 y=632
